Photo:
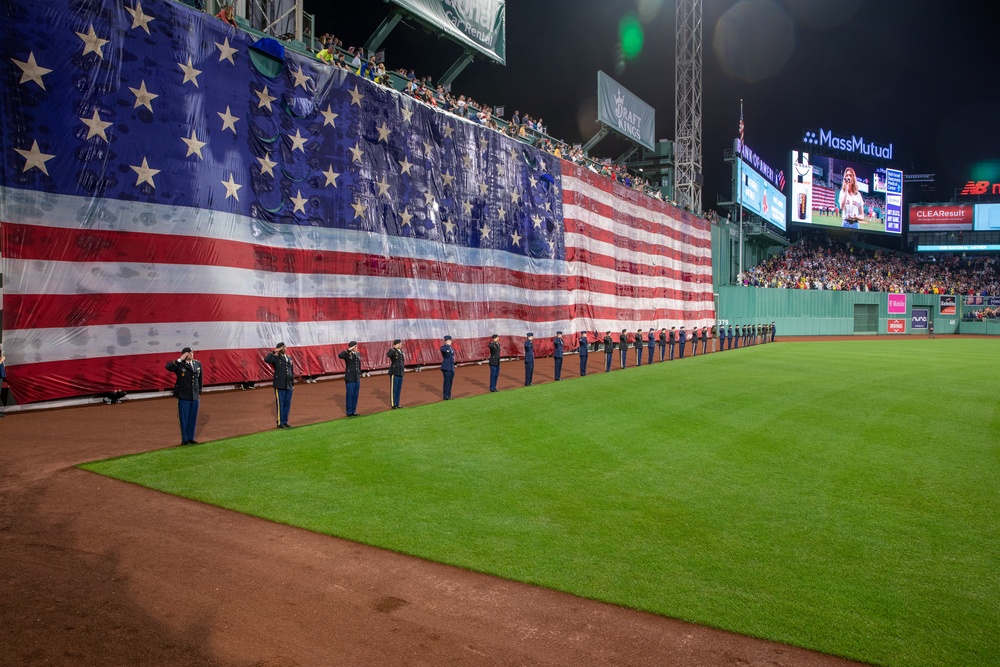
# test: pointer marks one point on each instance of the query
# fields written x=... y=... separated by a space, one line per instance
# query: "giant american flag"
x=164 y=185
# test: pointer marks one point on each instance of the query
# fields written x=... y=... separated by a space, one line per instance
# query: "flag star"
x=484 y=231
x=329 y=117
x=407 y=114
x=428 y=147
x=548 y=206
x=301 y=78
x=299 y=201
x=190 y=73
x=356 y=97
x=139 y=19
x=406 y=216
x=31 y=71
x=383 y=187
x=484 y=143
x=298 y=141
x=34 y=158
x=541 y=165
x=405 y=165
x=267 y=165
x=483 y=188
x=228 y=120
x=383 y=132
x=537 y=221
x=193 y=144
x=144 y=173
x=502 y=214
x=265 y=98
x=143 y=98
x=232 y=188
x=356 y=152
x=515 y=238
x=515 y=197
x=500 y=170
x=92 y=43
x=552 y=245
x=466 y=161
x=449 y=226
x=96 y=126
x=533 y=181
x=448 y=131
x=226 y=52
x=448 y=178
x=331 y=176
x=359 y=210
x=428 y=199
x=513 y=153
x=466 y=208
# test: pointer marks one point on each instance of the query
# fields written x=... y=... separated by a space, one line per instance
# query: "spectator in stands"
x=325 y=55
x=516 y=118
x=849 y=201
x=226 y=14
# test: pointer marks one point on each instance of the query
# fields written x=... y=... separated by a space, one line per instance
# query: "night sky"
x=914 y=73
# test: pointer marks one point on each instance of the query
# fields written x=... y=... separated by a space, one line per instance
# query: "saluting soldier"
x=494 y=361
x=651 y=344
x=774 y=330
x=682 y=340
x=609 y=350
x=729 y=344
x=397 y=365
x=738 y=336
x=529 y=359
x=284 y=380
x=694 y=341
x=638 y=347
x=584 y=344
x=352 y=376
x=623 y=347
x=715 y=337
x=673 y=342
x=187 y=389
x=557 y=354
x=663 y=343
x=447 y=367
x=704 y=340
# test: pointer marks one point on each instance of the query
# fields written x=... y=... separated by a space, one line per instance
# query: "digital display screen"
x=759 y=196
x=831 y=192
x=987 y=217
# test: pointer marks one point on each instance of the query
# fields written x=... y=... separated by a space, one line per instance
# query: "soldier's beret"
x=396 y=342
x=353 y=343
x=185 y=350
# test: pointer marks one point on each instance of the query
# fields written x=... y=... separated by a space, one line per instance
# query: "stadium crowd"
x=522 y=127
x=828 y=265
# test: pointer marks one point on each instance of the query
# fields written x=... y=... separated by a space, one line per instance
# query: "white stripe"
x=34 y=346
x=618 y=204
x=30 y=276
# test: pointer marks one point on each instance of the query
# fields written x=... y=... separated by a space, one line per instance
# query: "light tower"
x=687 y=105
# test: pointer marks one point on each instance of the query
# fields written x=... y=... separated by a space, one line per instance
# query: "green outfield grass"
x=840 y=496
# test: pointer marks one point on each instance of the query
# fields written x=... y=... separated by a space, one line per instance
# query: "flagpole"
x=739 y=193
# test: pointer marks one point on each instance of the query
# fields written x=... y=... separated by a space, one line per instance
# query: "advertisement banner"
x=893 y=200
x=897 y=304
x=941 y=217
x=948 y=304
x=918 y=319
x=896 y=326
x=993 y=301
x=478 y=24
x=622 y=111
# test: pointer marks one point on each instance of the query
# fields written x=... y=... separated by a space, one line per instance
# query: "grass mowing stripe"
x=839 y=496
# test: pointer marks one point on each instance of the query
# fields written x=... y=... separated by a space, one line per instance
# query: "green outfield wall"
x=830 y=313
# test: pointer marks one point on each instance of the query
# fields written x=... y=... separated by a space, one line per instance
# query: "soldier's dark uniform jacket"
x=352 y=366
x=188 y=384
x=608 y=344
x=396 y=361
x=284 y=375
x=494 y=353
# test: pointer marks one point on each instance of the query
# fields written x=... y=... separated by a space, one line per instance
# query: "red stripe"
x=28 y=242
x=618 y=217
x=47 y=311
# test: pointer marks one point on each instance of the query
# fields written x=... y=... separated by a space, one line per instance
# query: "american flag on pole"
x=741 y=124
x=164 y=184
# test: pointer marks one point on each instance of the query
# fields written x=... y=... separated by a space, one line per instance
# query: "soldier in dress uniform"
x=650 y=344
x=729 y=344
x=187 y=389
x=584 y=350
x=557 y=354
x=284 y=380
x=623 y=347
x=673 y=342
x=638 y=347
x=694 y=341
x=447 y=367
x=494 y=361
x=663 y=343
x=738 y=336
x=774 y=330
x=715 y=337
x=352 y=376
x=397 y=364
x=609 y=350
x=682 y=340
x=529 y=359
x=704 y=340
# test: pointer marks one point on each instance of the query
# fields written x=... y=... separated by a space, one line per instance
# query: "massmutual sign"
x=847 y=144
x=624 y=112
